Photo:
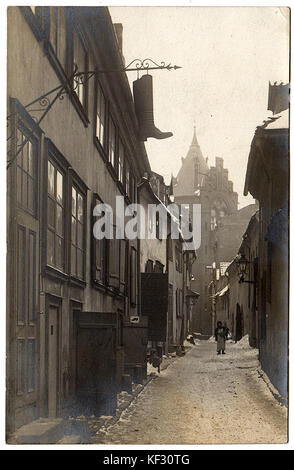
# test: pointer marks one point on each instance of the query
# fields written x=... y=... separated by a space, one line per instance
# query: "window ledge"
x=75 y=281
x=55 y=272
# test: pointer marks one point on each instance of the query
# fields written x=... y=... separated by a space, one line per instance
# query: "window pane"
x=31 y=202
x=80 y=265
x=24 y=196
x=30 y=159
x=59 y=252
x=80 y=241
x=80 y=64
x=80 y=208
x=59 y=220
x=51 y=178
x=25 y=154
x=73 y=202
x=100 y=124
x=73 y=230
x=73 y=260
x=50 y=247
x=59 y=187
x=111 y=142
x=51 y=212
x=19 y=184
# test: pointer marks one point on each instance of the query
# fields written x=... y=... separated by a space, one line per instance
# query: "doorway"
x=53 y=361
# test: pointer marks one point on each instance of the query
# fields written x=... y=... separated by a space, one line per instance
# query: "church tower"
x=197 y=183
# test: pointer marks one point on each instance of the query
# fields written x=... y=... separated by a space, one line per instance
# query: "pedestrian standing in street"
x=220 y=337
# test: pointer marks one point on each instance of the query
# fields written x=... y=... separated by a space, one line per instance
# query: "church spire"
x=194 y=140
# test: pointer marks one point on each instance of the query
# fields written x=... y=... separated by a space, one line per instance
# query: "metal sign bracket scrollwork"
x=44 y=103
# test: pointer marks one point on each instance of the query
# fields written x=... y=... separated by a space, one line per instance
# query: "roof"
x=275 y=126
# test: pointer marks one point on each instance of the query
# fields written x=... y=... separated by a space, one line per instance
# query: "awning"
x=222 y=292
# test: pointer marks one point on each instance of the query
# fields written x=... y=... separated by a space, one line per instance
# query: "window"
x=121 y=161
x=111 y=142
x=26 y=172
x=100 y=117
x=77 y=234
x=55 y=217
x=57 y=33
x=80 y=64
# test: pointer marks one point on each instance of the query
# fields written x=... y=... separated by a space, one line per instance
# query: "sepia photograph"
x=147 y=226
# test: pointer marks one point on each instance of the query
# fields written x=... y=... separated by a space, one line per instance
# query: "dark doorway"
x=239 y=323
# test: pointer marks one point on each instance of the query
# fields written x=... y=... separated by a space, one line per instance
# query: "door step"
x=40 y=431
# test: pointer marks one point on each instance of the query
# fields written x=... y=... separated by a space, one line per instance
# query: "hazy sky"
x=228 y=55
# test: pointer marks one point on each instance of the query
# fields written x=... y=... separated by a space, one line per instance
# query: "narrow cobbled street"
x=203 y=398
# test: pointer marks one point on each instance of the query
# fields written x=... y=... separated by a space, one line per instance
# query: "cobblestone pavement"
x=203 y=398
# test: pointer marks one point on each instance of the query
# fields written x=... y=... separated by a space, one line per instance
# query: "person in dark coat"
x=220 y=337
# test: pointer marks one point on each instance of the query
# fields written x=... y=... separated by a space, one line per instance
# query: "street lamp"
x=242 y=264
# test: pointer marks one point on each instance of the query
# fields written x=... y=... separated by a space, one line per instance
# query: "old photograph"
x=147 y=262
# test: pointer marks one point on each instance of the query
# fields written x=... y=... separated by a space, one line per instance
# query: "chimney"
x=118 y=27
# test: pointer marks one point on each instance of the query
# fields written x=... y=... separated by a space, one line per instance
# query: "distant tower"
x=196 y=183
x=193 y=171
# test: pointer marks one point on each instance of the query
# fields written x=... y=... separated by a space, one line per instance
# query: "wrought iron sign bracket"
x=45 y=102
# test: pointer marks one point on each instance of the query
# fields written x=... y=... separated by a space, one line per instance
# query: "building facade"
x=69 y=296
x=267 y=179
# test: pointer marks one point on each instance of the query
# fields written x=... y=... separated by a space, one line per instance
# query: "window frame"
x=76 y=183
x=103 y=283
x=63 y=166
x=51 y=157
x=99 y=89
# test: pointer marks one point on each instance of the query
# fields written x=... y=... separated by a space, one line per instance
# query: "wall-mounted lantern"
x=243 y=264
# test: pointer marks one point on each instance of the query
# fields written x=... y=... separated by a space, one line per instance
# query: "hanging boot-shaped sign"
x=143 y=97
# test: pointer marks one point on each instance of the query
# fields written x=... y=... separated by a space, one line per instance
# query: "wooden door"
x=26 y=376
x=53 y=362
x=96 y=361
